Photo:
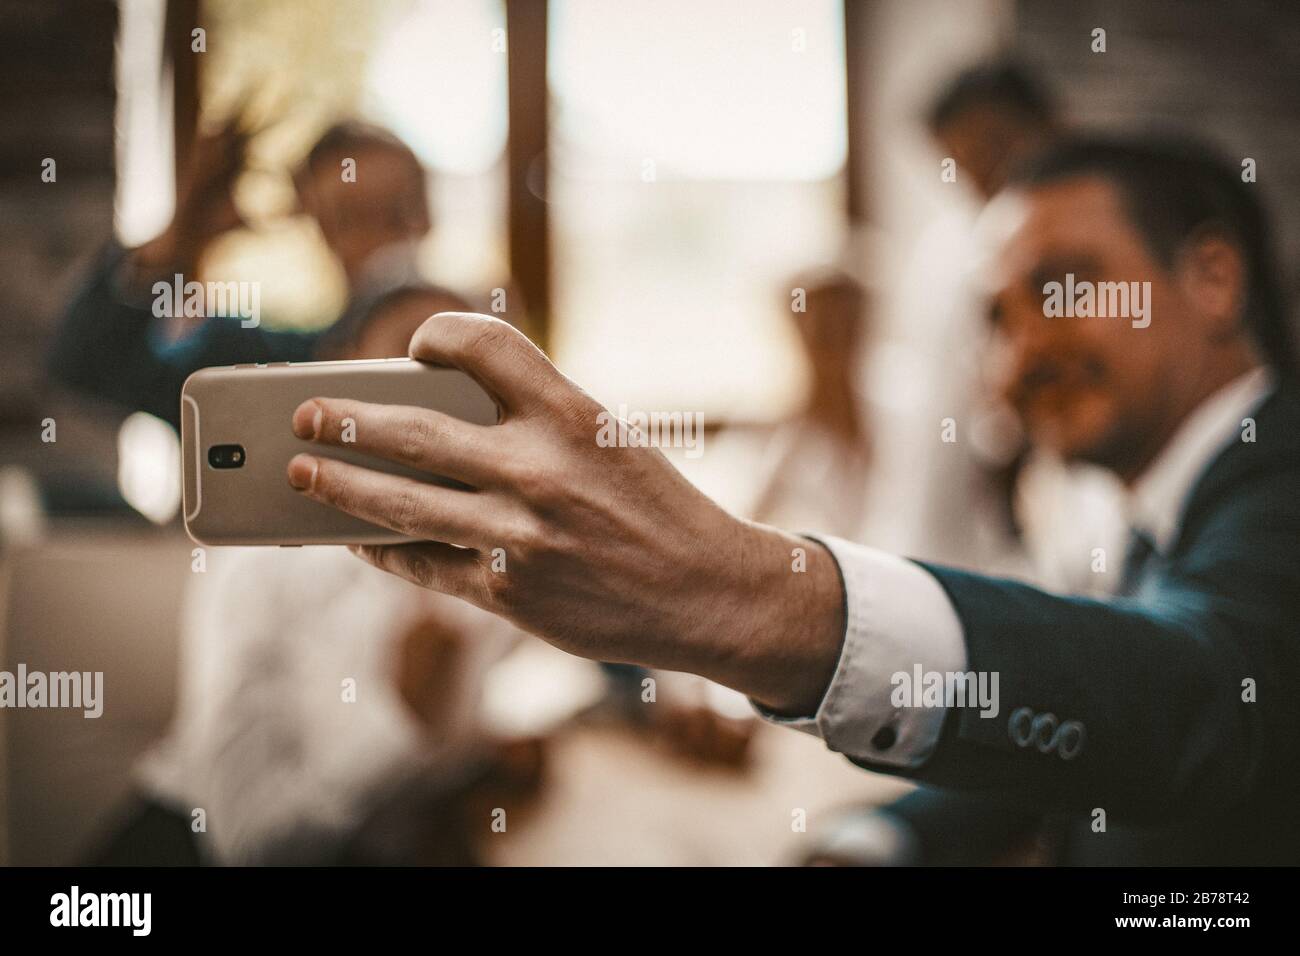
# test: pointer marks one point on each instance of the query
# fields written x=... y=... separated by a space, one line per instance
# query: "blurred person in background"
x=816 y=463
x=809 y=470
x=992 y=118
x=112 y=346
x=342 y=730
x=986 y=119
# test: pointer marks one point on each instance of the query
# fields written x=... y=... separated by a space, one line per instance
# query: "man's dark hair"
x=1176 y=190
x=403 y=204
x=352 y=136
x=355 y=137
x=1004 y=84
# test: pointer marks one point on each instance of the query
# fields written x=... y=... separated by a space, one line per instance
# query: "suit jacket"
x=1174 y=711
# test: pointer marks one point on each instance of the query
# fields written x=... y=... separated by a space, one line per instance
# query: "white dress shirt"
x=899 y=618
x=1157 y=499
x=288 y=721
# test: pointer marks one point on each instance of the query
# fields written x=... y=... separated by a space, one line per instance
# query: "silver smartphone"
x=237 y=440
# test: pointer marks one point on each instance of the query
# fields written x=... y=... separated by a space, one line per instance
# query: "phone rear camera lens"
x=226 y=456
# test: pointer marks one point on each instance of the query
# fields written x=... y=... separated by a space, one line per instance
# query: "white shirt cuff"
x=899 y=622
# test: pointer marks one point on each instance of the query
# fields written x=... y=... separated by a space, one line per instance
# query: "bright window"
x=696 y=164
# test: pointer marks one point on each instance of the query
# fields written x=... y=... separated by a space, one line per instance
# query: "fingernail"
x=302 y=472
x=307 y=420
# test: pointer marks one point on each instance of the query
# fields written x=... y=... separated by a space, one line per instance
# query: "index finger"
x=419 y=438
x=492 y=352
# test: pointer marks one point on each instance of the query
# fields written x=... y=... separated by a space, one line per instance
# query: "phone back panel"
x=252 y=406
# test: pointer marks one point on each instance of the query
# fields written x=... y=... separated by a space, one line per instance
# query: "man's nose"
x=1029 y=357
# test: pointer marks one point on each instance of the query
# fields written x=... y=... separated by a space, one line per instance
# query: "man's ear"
x=1212 y=275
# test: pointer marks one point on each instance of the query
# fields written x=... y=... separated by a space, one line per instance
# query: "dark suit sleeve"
x=108 y=347
x=1156 y=684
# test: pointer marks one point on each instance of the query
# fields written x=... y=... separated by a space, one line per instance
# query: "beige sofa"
x=85 y=598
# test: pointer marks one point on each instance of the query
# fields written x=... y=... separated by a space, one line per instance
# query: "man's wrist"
x=795 y=623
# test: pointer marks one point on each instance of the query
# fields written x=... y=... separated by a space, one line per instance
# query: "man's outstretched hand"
x=605 y=552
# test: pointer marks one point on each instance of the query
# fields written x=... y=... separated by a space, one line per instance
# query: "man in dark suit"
x=1210 y=516
x=1144 y=330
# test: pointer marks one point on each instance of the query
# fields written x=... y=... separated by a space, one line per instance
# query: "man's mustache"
x=1051 y=374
